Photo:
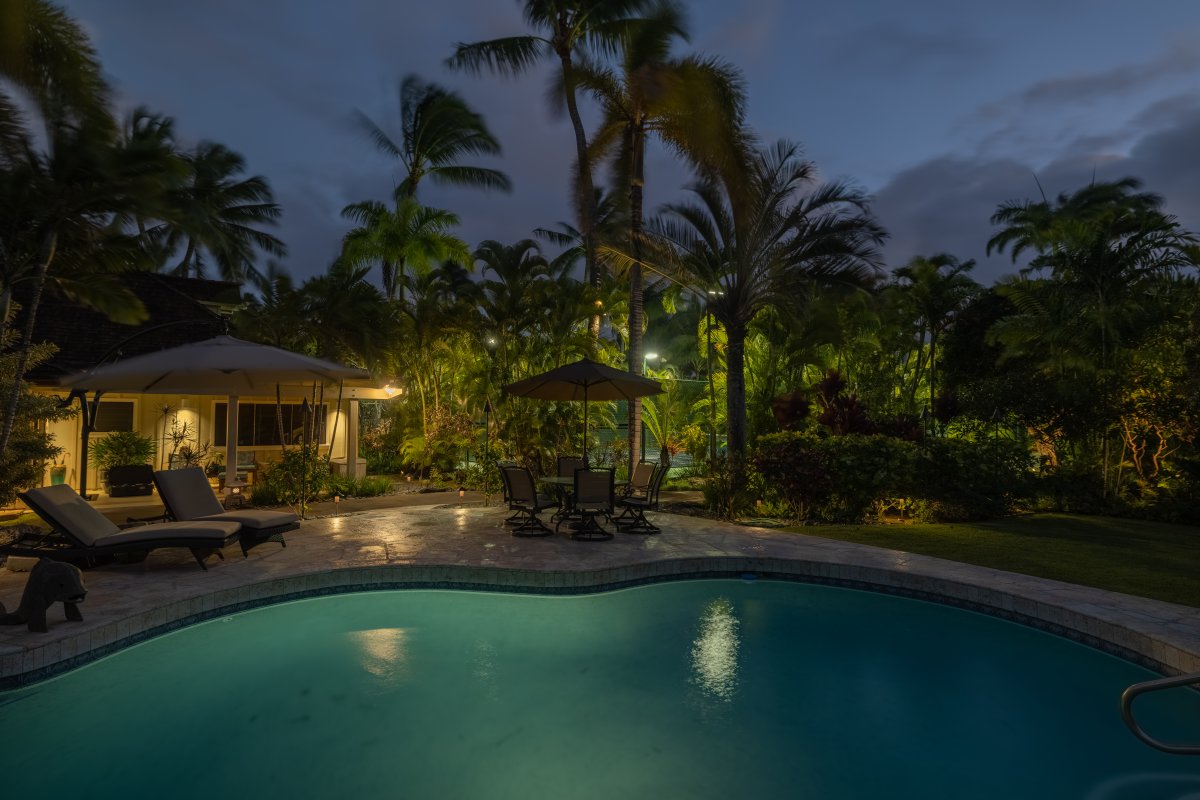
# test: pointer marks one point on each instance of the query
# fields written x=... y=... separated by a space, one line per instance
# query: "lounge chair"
x=186 y=495
x=81 y=534
x=593 y=498
x=527 y=502
x=634 y=507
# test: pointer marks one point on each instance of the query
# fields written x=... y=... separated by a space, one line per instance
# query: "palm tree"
x=760 y=243
x=564 y=29
x=215 y=211
x=437 y=129
x=1108 y=249
x=693 y=105
x=1107 y=241
x=935 y=289
x=48 y=56
x=412 y=234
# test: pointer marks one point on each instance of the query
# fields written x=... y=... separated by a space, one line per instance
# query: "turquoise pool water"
x=721 y=689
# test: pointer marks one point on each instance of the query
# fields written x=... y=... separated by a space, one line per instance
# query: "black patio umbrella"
x=585 y=380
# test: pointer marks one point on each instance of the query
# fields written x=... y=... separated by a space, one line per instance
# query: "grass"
x=1149 y=559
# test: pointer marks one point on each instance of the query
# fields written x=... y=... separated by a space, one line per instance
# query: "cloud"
x=1179 y=59
x=945 y=204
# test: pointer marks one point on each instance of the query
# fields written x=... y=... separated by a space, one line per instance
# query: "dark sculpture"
x=49 y=582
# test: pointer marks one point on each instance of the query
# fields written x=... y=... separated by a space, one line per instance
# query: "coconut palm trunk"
x=735 y=388
x=586 y=200
x=636 y=311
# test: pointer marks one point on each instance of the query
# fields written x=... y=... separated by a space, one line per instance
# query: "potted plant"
x=124 y=459
x=212 y=469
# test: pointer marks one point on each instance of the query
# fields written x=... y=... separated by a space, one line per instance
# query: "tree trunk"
x=712 y=392
x=932 y=371
x=735 y=389
x=587 y=193
x=634 y=353
x=185 y=265
x=14 y=392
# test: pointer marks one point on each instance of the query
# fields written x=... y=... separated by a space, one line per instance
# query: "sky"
x=939 y=109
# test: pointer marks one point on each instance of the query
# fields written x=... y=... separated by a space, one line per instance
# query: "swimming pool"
x=692 y=689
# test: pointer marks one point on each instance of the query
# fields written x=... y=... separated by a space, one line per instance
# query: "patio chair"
x=80 y=534
x=593 y=498
x=638 y=486
x=187 y=497
x=565 y=468
x=515 y=517
x=637 y=507
x=568 y=464
x=527 y=502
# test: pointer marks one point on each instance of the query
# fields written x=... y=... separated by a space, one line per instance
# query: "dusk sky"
x=941 y=109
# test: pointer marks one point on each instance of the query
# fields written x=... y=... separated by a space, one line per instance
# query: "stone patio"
x=469 y=547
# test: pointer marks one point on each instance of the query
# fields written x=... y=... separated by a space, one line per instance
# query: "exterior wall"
x=197 y=410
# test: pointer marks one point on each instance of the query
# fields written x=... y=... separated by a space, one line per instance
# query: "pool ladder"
x=1128 y=696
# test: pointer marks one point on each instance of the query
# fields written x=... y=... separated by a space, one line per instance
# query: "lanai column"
x=231 y=418
x=352 y=438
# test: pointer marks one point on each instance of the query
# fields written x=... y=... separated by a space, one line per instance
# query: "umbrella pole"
x=585 y=447
x=231 y=433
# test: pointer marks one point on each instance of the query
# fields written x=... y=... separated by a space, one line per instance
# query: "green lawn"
x=1143 y=558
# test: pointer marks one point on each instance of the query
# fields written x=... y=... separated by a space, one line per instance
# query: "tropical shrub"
x=796 y=470
x=730 y=491
x=122 y=448
x=30 y=447
x=865 y=470
x=962 y=479
x=296 y=479
x=367 y=486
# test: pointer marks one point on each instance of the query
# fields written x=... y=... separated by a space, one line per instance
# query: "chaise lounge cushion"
x=216 y=530
x=187 y=496
x=254 y=519
x=92 y=529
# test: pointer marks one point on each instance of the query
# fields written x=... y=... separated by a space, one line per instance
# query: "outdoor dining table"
x=563 y=484
x=569 y=481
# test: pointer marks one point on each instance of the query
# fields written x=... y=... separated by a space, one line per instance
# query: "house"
x=181 y=311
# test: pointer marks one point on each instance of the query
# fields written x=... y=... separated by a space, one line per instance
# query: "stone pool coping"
x=468 y=548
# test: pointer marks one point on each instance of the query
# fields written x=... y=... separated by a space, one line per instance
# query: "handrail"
x=1128 y=696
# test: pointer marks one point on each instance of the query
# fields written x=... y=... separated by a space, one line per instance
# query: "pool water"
x=721 y=689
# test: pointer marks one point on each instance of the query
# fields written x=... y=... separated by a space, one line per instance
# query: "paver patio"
x=469 y=547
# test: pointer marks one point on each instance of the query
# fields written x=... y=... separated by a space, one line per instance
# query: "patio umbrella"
x=221 y=365
x=585 y=380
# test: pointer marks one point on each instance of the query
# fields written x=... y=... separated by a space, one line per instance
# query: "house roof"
x=181 y=310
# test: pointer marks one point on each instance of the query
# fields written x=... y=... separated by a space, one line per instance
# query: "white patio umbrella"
x=219 y=366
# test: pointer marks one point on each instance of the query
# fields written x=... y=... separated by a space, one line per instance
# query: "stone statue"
x=49 y=582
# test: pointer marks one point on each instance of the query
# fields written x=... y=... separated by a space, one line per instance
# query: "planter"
x=130 y=480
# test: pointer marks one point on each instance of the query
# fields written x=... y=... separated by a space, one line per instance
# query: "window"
x=113 y=416
x=258 y=425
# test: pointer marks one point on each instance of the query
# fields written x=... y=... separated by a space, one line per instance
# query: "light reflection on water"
x=715 y=652
x=485 y=668
x=384 y=653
